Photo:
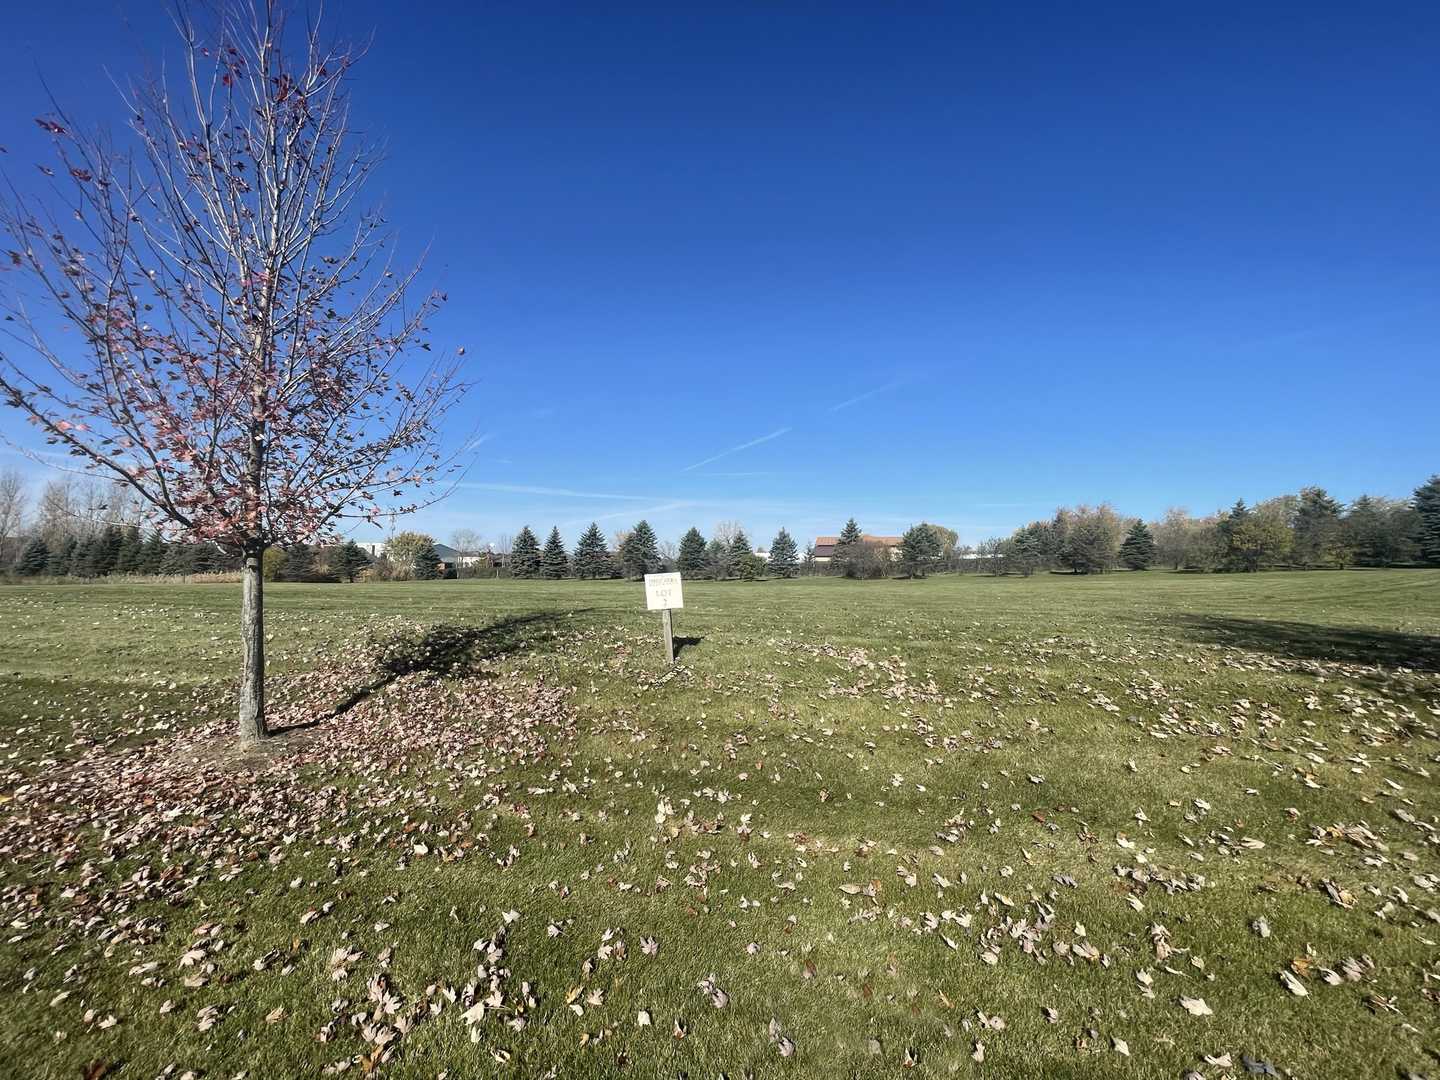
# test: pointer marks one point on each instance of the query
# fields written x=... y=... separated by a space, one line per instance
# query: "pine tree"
x=1232 y=531
x=740 y=546
x=151 y=554
x=640 y=554
x=919 y=547
x=849 y=535
x=1319 y=530
x=348 y=560
x=32 y=558
x=691 y=559
x=299 y=562
x=205 y=558
x=127 y=557
x=719 y=563
x=80 y=560
x=1138 y=550
x=104 y=551
x=554 y=563
x=525 y=555
x=1427 y=505
x=62 y=557
x=426 y=562
x=592 y=554
x=784 y=558
x=175 y=561
x=847 y=547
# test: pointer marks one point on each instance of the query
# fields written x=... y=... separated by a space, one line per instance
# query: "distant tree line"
x=1302 y=531
x=88 y=529
x=91 y=529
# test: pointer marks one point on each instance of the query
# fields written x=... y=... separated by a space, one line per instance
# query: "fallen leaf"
x=1294 y=985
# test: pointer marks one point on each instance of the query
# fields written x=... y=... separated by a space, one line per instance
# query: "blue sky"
x=787 y=263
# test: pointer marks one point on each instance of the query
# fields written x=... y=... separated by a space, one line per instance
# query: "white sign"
x=662 y=591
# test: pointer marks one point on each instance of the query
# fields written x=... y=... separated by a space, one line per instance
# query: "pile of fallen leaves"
x=200 y=805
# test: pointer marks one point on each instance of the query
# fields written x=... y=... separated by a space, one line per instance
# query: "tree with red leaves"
x=241 y=351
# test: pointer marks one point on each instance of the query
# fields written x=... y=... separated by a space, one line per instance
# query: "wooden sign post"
x=662 y=592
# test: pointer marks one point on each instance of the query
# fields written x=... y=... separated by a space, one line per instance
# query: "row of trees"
x=638 y=551
x=728 y=553
x=1306 y=530
x=125 y=549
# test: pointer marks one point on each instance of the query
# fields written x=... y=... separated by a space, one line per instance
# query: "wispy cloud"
x=1328 y=328
x=523 y=489
x=629 y=513
x=737 y=449
x=764 y=472
x=869 y=394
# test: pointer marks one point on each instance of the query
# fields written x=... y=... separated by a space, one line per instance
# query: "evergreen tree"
x=176 y=559
x=62 y=557
x=525 y=555
x=784 y=561
x=80 y=560
x=104 y=551
x=204 y=558
x=691 y=559
x=127 y=558
x=425 y=565
x=592 y=554
x=1138 y=550
x=32 y=558
x=740 y=546
x=151 y=554
x=1029 y=549
x=1319 y=530
x=348 y=560
x=849 y=535
x=640 y=554
x=554 y=563
x=1231 y=535
x=718 y=562
x=919 y=548
x=1427 y=506
x=299 y=562
x=847 y=549
x=749 y=566
x=1383 y=531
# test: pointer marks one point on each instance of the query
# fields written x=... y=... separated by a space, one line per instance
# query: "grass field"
x=1124 y=826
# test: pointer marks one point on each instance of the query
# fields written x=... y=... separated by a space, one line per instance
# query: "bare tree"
x=57 y=513
x=726 y=531
x=244 y=340
x=13 y=505
x=466 y=542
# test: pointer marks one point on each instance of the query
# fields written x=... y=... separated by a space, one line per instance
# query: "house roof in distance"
x=888 y=541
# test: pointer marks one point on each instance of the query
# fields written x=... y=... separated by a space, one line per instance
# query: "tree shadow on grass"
x=1309 y=641
x=449 y=649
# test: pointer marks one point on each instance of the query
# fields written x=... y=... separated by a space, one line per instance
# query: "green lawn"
x=860 y=829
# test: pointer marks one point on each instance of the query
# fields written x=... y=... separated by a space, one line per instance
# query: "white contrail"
x=869 y=394
x=734 y=449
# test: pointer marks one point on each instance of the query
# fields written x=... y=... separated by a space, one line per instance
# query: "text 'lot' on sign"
x=662 y=592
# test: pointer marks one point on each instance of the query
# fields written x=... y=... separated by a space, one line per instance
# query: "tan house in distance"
x=825 y=546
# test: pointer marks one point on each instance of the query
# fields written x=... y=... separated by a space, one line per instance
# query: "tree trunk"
x=252 y=635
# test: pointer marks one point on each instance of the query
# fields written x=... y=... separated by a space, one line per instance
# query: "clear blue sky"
x=785 y=263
